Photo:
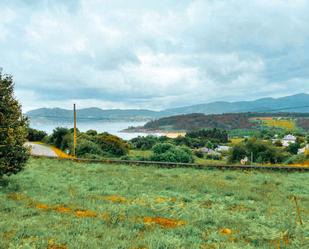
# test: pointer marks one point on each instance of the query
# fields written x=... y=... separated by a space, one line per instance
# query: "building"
x=288 y=139
x=223 y=148
x=303 y=150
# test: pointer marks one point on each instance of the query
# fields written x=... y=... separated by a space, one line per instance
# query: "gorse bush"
x=112 y=144
x=13 y=130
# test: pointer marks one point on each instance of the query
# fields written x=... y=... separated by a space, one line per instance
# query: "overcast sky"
x=153 y=54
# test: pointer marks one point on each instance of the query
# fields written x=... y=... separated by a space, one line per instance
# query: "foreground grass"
x=55 y=205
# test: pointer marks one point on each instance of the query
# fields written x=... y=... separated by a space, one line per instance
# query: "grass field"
x=60 y=204
x=286 y=124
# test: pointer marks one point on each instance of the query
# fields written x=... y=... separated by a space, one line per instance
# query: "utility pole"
x=251 y=157
x=75 y=134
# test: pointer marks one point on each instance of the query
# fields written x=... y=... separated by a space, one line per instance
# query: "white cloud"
x=154 y=54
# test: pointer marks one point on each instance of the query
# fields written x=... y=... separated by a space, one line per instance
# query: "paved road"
x=41 y=150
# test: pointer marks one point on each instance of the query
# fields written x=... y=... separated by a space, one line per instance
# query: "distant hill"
x=295 y=103
x=198 y=121
x=226 y=121
x=88 y=114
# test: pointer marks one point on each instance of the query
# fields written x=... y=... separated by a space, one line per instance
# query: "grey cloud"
x=154 y=53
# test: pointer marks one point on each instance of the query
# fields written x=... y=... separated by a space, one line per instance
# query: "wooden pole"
x=75 y=133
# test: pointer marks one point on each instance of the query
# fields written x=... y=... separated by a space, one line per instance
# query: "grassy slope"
x=47 y=206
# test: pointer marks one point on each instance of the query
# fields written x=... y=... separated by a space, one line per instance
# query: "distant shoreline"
x=140 y=129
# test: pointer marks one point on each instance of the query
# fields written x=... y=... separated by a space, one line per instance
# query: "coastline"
x=169 y=134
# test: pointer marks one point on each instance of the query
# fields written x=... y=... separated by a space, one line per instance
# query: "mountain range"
x=294 y=103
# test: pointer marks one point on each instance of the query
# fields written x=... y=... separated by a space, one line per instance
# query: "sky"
x=153 y=54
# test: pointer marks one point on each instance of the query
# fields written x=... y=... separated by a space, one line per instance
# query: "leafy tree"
x=13 y=130
x=214 y=135
x=293 y=148
x=261 y=151
x=57 y=137
x=237 y=153
x=36 y=135
x=193 y=143
x=92 y=132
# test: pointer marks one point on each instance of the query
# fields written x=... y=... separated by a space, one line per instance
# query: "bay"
x=112 y=127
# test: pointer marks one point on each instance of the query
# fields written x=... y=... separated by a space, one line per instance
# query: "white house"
x=303 y=150
x=288 y=139
x=207 y=150
x=223 y=148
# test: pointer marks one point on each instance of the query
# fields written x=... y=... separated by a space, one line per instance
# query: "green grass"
x=140 y=153
x=255 y=205
x=205 y=161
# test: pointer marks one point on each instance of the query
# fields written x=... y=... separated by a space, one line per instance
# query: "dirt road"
x=41 y=150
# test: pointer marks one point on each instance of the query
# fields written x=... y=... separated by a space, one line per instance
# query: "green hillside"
x=228 y=121
x=61 y=204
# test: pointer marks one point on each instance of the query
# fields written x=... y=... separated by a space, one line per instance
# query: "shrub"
x=85 y=147
x=199 y=153
x=144 y=143
x=296 y=159
x=166 y=152
x=190 y=142
x=112 y=144
x=214 y=156
x=162 y=148
x=293 y=148
x=13 y=130
x=278 y=143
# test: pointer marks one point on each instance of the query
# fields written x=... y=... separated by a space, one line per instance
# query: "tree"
x=36 y=135
x=57 y=137
x=293 y=148
x=261 y=152
x=13 y=130
x=214 y=135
